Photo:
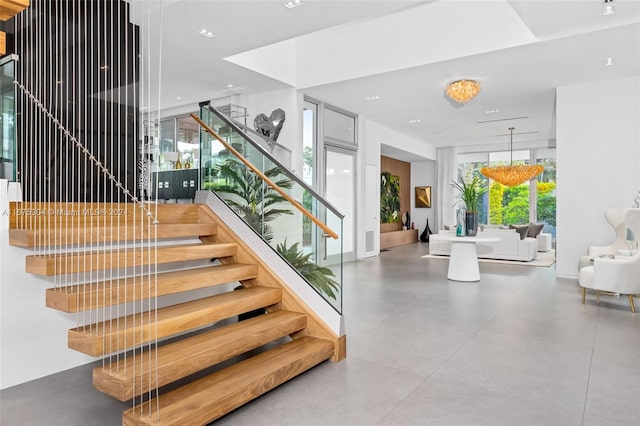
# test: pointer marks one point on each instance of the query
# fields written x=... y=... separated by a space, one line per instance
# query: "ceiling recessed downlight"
x=608 y=62
x=292 y=4
x=372 y=98
x=415 y=121
x=206 y=33
x=491 y=111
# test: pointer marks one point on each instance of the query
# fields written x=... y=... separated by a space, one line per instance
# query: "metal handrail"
x=269 y=182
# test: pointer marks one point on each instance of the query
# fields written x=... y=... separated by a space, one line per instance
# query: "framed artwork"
x=389 y=198
x=423 y=196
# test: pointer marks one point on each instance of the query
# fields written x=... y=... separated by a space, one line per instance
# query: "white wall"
x=598 y=157
x=423 y=173
x=371 y=136
x=33 y=337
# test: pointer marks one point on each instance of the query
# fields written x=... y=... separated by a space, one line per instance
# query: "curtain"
x=447 y=171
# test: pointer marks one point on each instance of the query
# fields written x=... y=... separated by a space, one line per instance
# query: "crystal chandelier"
x=512 y=175
x=462 y=91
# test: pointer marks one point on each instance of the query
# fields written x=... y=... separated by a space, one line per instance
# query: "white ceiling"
x=405 y=52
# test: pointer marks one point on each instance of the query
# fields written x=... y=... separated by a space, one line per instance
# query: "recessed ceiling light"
x=372 y=98
x=229 y=86
x=607 y=8
x=491 y=111
x=415 y=121
x=206 y=33
x=179 y=98
x=608 y=62
x=292 y=4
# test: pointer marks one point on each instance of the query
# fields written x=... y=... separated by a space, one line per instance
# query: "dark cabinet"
x=175 y=184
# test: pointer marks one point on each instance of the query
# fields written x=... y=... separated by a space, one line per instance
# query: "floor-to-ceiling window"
x=531 y=201
x=309 y=141
x=329 y=152
x=546 y=190
x=179 y=136
x=309 y=147
x=7 y=119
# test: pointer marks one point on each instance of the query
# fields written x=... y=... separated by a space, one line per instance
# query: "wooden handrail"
x=269 y=182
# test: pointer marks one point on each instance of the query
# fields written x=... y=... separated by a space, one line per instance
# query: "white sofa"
x=543 y=238
x=509 y=247
x=544 y=241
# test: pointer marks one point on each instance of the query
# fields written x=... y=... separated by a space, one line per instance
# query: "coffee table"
x=463 y=261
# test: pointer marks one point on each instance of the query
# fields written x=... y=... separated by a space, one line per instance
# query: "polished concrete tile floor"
x=517 y=348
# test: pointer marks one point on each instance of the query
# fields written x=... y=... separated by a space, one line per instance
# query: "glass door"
x=340 y=192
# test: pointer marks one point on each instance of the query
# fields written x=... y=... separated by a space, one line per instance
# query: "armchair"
x=615 y=218
x=619 y=275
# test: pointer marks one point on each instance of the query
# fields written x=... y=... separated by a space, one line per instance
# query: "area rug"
x=544 y=259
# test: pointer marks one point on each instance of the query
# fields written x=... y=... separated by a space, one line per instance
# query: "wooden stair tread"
x=99 y=233
x=180 y=359
x=67 y=263
x=209 y=398
x=30 y=214
x=118 y=334
x=82 y=297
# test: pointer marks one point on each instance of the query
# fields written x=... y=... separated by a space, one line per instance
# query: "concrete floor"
x=518 y=348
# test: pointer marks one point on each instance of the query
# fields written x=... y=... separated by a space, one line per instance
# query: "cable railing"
x=291 y=217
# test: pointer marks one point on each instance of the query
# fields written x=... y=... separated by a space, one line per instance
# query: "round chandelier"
x=462 y=91
x=512 y=175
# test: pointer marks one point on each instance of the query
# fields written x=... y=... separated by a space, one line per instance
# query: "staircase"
x=185 y=365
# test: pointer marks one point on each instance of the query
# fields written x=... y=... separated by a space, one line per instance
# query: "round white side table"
x=463 y=261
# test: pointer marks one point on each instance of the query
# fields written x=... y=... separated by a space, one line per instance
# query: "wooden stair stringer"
x=267 y=277
x=188 y=356
x=213 y=396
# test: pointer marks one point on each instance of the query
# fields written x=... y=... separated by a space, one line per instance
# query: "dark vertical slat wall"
x=79 y=59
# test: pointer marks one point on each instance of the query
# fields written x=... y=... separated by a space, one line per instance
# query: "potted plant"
x=470 y=194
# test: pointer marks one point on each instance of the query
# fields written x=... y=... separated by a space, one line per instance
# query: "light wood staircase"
x=192 y=346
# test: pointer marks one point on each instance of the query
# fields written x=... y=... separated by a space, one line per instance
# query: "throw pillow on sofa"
x=535 y=229
x=521 y=230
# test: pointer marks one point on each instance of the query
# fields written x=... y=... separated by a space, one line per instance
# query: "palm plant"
x=318 y=276
x=470 y=193
x=254 y=200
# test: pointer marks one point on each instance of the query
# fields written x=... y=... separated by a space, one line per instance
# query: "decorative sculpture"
x=424 y=237
x=270 y=126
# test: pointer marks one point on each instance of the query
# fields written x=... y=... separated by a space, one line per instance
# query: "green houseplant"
x=318 y=276
x=470 y=194
x=247 y=194
x=257 y=204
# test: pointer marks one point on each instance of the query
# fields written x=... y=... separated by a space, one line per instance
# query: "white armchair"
x=615 y=218
x=620 y=275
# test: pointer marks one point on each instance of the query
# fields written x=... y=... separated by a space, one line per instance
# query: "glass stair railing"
x=294 y=220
